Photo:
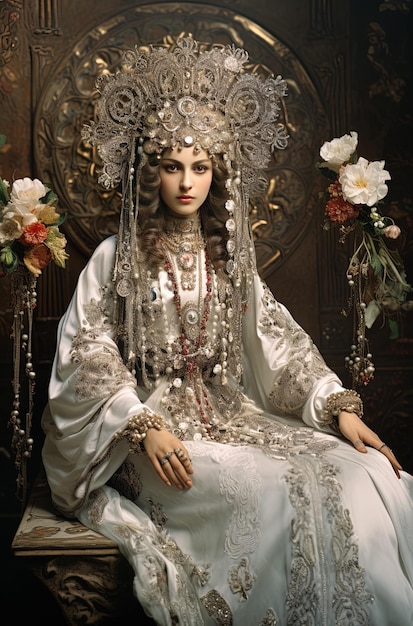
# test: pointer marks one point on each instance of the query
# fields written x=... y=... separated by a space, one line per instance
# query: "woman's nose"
x=186 y=182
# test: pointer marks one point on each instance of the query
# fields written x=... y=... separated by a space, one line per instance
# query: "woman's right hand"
x=169 y=457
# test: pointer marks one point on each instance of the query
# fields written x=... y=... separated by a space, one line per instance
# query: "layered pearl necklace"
x=193 y=317
x=194 y=359
x=186 y=252
x=183 y=238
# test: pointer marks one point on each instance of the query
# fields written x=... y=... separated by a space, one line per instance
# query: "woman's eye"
x=170 y=167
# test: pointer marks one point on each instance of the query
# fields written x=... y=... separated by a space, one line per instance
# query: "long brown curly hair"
x=152 y=213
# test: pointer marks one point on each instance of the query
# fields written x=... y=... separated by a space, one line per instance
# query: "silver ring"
x=178 y=452
x=383 y=446
x=165 y=458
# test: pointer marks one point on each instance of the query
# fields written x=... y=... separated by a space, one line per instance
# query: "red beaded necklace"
x=187 y=342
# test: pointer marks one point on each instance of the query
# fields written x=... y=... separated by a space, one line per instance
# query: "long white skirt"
x=318 y=538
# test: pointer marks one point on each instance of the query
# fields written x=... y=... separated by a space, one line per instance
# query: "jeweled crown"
x=187 y=97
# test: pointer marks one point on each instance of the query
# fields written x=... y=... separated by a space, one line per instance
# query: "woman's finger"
x=173 y=467
x=361 y=436
x=181 y=468
x=384 y=449
x=388 y=452
x=359 y=445
x=183 y=456
x=172 y=475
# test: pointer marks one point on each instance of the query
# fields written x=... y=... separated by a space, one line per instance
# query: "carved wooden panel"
x=67 y=98
x=348 y=67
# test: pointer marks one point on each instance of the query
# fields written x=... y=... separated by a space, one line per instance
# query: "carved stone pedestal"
x=85 y=573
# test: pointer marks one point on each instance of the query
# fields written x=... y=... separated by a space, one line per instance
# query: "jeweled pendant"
x=124 y=287
x=190 y=319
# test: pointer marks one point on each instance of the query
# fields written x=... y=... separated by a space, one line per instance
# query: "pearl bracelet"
x=348 y=400
x=137 y=428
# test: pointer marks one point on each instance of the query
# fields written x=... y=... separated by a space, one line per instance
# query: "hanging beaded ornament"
x=30 y=239
x=24 y=298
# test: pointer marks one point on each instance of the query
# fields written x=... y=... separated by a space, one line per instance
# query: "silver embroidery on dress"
x=97 y=501
x=242 y=491
x=276 y=440
x=305 y=364
x=217 y=607
x=157 y=514
x=241 y=579
x=153 y=549
x=102 y=372
x=185 y=605
x=325 y=571
x=126 y=481
x=270 y=618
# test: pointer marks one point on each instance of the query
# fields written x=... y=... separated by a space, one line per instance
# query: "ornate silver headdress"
x=188 y=96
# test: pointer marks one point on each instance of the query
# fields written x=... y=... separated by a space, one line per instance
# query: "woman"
x=190 y=418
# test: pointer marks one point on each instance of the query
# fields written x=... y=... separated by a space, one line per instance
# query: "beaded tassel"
x=24 y=302
x=359 y=362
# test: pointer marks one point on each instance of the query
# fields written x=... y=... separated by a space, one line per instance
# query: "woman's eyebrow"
x=180 y=162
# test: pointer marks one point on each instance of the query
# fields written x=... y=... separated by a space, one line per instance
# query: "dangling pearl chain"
x=185 y=341
x=25 y=297
x=189 y=356
x=203 y=339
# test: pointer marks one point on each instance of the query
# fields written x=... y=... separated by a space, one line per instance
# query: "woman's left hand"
x=360 y=435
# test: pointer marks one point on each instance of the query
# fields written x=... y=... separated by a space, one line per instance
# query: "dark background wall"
x=348 y=65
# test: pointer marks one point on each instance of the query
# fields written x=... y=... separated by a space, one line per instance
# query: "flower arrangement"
x=29 y=240
x=375 y=273
x=29 y=227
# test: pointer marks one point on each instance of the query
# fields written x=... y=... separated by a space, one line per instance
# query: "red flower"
x=33 y=234
x=338 y=209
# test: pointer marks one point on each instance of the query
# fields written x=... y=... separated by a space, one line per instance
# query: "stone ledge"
x=42 y=531
x=84 y=572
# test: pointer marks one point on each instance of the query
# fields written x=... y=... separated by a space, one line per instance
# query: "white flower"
x=10 y=230
x=364 y=182
x=28 y=191
x=339 y=150
x=20 y=212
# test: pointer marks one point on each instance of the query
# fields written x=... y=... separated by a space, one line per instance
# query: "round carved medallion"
x=68 y=98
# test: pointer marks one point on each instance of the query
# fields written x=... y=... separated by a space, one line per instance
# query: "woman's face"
x=185 y=180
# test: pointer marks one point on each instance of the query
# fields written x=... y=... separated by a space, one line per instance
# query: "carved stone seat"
x=85 y=573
